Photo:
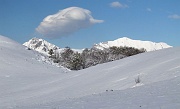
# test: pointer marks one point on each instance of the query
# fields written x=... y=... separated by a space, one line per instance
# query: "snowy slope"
x=42 y=46
x=21 y=69
x=26 y=83
x=148 y=45
x=160 y=95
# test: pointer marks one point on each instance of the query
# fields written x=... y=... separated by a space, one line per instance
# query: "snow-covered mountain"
x=26 y=82
x=42 y=46
x=148 y=45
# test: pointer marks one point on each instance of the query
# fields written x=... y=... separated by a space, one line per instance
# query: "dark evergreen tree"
x=76 y=62
x=67 y=54
x=51 y=52
x=91 y=57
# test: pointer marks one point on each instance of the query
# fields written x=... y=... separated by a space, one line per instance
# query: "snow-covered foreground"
x=26 y=82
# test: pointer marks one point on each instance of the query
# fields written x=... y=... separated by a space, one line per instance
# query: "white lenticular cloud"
x=66 y=22
x=118 y=5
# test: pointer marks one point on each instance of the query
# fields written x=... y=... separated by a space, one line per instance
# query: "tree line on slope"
x=91 y=57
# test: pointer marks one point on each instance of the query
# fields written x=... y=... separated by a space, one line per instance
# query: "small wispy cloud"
x=174 y=16
x=149 y=9
x=118 y=5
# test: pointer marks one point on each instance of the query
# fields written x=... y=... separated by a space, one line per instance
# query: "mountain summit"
x=40 y=45
x=148 y=45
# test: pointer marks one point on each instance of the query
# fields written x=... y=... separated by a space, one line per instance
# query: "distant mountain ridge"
x=148 y=45
x=43 y=46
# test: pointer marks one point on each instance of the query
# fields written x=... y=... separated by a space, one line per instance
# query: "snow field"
x=27 y=82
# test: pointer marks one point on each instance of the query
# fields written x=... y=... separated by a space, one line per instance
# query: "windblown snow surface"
x=27 y=82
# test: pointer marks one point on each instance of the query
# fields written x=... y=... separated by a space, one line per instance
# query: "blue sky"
x=153 y=20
